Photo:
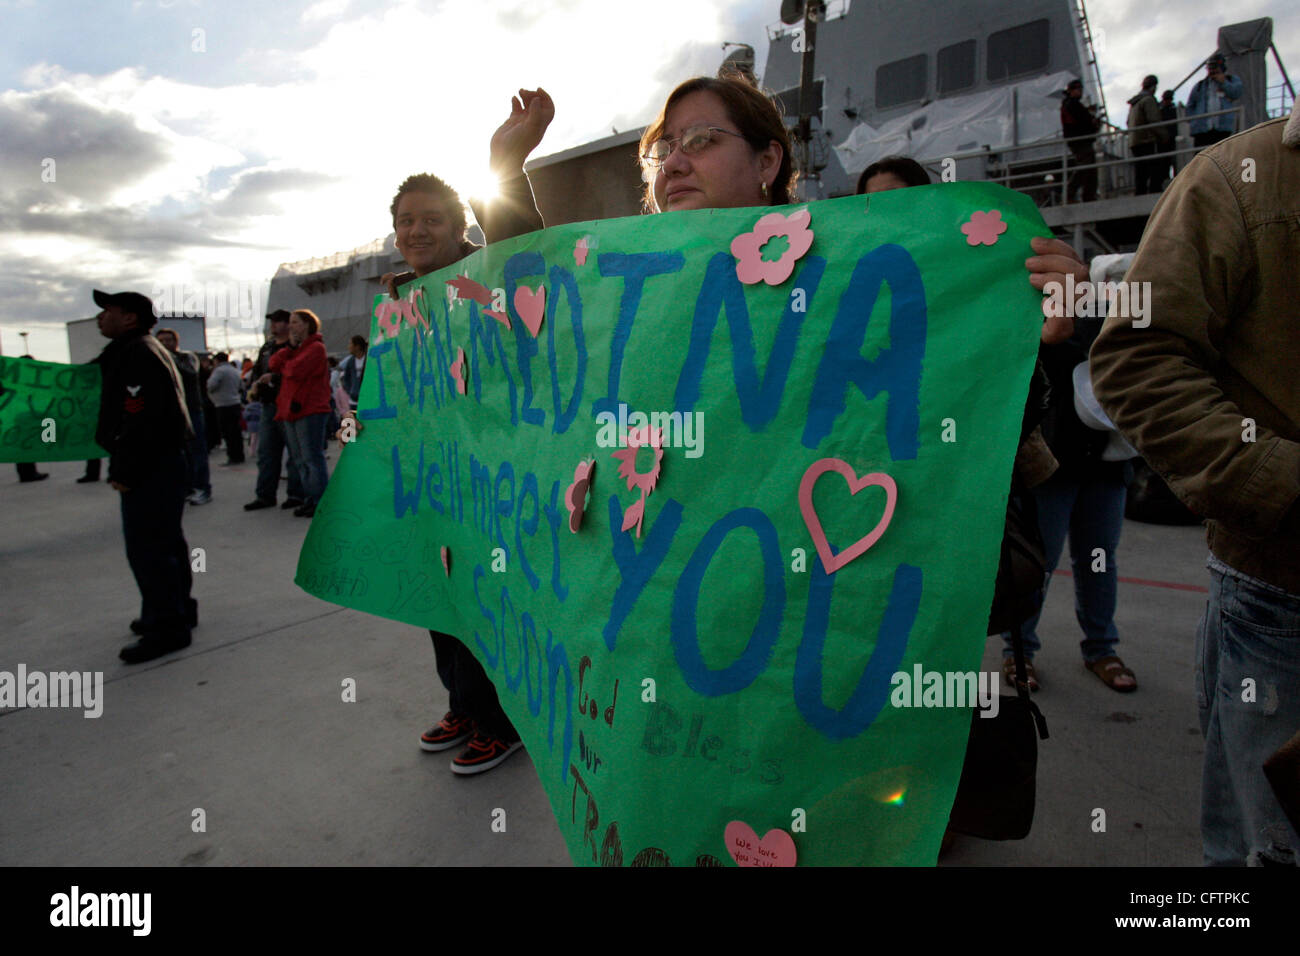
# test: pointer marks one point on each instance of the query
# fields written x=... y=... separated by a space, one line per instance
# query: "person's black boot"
x=147 y=648
x=137 y=626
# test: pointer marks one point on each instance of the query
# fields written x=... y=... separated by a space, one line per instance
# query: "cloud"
x=325 y=10
x=96 y=149
x=114 y=225
x=254 y=189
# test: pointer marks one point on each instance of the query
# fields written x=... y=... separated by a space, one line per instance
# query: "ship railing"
x=1279 y=100
x=1044 y=169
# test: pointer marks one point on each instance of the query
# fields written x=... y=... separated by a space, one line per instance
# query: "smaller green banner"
x=48 y=411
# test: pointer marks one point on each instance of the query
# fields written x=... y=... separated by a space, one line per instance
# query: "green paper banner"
x=836 y=387
x=48 y=411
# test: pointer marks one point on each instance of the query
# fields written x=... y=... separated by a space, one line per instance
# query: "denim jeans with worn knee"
x=1248 y=694
x=1091 y=512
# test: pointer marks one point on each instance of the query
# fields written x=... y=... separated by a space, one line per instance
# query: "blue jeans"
x=306 y=438
x=196 y=453
x=271 y=444
x=1092 y=512
x=1248 y=694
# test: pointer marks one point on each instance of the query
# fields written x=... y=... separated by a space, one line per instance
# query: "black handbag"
x=995 y=797
x=996 y=793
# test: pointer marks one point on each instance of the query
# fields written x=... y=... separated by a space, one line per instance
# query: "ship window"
x=788 y=100
x=956 y=67
x=901 y=81
x=1021 y=49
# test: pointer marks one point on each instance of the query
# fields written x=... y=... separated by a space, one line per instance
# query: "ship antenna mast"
x=812 y=12
x=1090 y=60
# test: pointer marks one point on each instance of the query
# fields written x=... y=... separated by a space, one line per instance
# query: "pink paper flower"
x=748 y=247
x=575 y=496
x=639 y=438
x=390 y=319
x=391 y=313
x=984 y=228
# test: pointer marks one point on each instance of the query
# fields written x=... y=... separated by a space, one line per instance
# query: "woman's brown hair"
x=310 y=317
x=755 y=115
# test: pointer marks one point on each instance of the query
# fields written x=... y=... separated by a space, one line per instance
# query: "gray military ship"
x=971 y=90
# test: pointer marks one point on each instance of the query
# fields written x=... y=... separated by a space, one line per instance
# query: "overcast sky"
x=196 y=142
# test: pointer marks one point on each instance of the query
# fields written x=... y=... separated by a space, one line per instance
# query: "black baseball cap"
x=1216 y=59
x=279 y=315
x=133 y=302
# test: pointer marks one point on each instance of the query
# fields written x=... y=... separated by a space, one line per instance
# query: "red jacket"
x=304 y=380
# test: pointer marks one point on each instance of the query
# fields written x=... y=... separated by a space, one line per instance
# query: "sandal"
x=1109 y=670
x=1009 y=672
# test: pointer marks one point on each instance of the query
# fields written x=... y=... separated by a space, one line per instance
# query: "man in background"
x=144 y=426
x=196 y=449
x=1079 y=126
x=1144 y=138
x=223 y=389
x=1217 y=91
x=352 y=367
x=27 y=470
x=271 y=443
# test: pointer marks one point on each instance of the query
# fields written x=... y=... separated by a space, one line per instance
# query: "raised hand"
x=530 y=113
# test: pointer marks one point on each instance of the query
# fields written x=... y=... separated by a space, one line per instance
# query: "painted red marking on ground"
x=1196 y=588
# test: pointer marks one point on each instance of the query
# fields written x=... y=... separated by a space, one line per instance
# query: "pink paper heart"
x=531 y=306
x=457 y=369
x=775 y=849
x=446 y=559
x=833 y=562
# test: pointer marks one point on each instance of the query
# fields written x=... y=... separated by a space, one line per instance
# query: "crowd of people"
x=1179 y=389
x=1152 y=128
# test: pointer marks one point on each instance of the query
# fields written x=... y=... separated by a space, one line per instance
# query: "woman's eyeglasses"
x=692 y=141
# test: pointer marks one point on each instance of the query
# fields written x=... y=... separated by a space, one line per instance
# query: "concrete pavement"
x=249 y=726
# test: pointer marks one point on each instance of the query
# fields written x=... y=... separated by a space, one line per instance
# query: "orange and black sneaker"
x=483 y=753
x=447 y=733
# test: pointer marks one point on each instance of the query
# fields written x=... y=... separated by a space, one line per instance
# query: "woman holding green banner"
x=720 y=143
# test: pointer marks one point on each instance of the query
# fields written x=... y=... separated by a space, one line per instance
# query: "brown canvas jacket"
x=1219 y=363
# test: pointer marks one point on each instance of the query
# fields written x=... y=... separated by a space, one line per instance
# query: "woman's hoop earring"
x=763 y=188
